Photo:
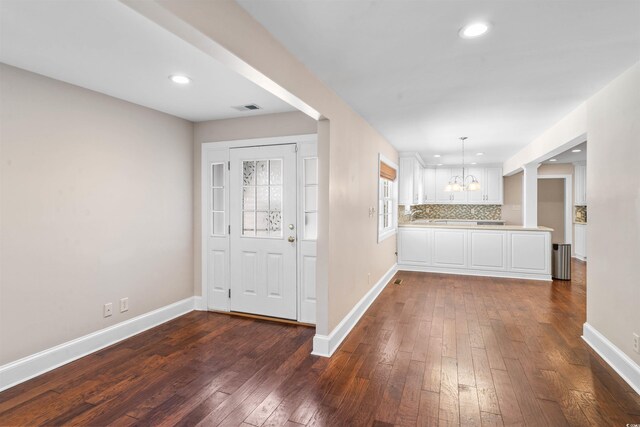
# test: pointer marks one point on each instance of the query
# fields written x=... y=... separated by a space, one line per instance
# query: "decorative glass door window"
x=217 y=199
x=310 y=166
x=262 y=198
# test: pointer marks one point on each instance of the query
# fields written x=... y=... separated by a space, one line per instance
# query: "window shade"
x=387 y=172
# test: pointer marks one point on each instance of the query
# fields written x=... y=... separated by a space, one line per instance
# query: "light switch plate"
x=124 y=305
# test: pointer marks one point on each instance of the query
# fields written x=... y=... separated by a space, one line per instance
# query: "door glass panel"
x=311 y=225
x=311 y=171
x=249 y=223
x=217 y=199
x=275 y=172
x=262 y=172
x=217 y=175
x=249 y=173
x=310 y=195
x=218 y=223
x=249 y=198
x=275 y=198
x=262 y=198
x=275 y=223
x=262 y=224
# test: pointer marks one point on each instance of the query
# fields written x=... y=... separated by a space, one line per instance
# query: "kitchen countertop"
x=495 y=221
x=428 y=224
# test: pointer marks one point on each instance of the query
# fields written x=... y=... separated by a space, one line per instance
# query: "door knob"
x=291 y=239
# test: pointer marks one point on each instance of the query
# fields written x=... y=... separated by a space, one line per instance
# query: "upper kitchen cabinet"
x=411 y=186
x=491 y=188
x=490 y=192
x=580 y=187
x=429 y=185
x=443 y=176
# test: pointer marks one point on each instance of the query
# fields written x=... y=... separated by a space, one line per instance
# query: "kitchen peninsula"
x=482 y=250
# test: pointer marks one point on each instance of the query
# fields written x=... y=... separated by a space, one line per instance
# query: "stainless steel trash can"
x=561 y=261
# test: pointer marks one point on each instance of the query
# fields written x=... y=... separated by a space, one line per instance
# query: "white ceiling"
x=402 y=66
x=569 y=156
x=107 y=47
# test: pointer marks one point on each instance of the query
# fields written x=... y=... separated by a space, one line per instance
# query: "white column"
x=530 y=195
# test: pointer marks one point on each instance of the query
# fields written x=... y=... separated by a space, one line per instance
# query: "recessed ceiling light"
x=180 y=79
x=436 y=155
x=553 y=160
x=474 y=163
x=439 y=164
x=473 y=30
x=479 y=154
x=577 y=150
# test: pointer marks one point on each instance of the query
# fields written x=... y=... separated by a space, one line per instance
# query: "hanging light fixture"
x=464 y=182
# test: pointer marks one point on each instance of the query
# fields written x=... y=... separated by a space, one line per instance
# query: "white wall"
x=613 y=237
x=96 y=204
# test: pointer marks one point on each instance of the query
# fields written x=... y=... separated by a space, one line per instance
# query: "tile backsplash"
x=481 y=212
x=580 y=214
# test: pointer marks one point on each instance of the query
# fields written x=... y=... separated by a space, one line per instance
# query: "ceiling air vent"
x=249 y=107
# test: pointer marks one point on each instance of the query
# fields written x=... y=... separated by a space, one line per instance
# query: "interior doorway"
x=555 y=206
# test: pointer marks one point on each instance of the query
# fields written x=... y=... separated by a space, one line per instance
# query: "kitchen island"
x=479 y=250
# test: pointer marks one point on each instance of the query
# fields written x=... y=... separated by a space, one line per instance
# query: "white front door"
x=262 y=188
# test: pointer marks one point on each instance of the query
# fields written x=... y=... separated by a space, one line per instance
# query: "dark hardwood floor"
x=435 y=350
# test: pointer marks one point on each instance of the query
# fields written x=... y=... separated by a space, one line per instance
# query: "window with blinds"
x=387 y=199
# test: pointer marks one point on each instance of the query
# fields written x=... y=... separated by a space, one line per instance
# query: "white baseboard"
x=199 y=304
x=31 y=366
x=470 y=272
x=326 y=345
x=620 y=362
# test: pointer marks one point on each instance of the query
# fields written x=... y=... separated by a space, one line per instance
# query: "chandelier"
x=464 y=182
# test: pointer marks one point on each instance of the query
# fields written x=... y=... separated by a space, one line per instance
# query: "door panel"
x=262 y=187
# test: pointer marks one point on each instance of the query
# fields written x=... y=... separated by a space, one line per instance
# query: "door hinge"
x=229 y=293
x=296 y=148
x=229 y=229
x=229 y=165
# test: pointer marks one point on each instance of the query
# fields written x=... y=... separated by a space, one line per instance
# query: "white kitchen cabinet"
x=580 y=249
x=492 y=188
x=580 y=187
x=410 y=187
x=490 y=193
x=443 y=176
x=429 y=185
x=498 y=253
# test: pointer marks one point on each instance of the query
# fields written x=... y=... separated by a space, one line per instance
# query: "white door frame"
x=568 y=204
x=205 y=188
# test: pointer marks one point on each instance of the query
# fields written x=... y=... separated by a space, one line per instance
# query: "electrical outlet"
x=636 y=342
x=124 y=304
x=108 y=309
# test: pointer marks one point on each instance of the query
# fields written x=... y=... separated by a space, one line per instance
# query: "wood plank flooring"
x=435 y=350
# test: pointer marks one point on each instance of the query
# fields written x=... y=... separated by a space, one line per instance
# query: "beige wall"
x=348 y=145
x=512 y=206
x=551 y=207
x=262 y=126
x=613 y=236
x=512 y=203
x=96 y=205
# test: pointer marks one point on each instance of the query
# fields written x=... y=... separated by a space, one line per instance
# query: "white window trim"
x=383 y=235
